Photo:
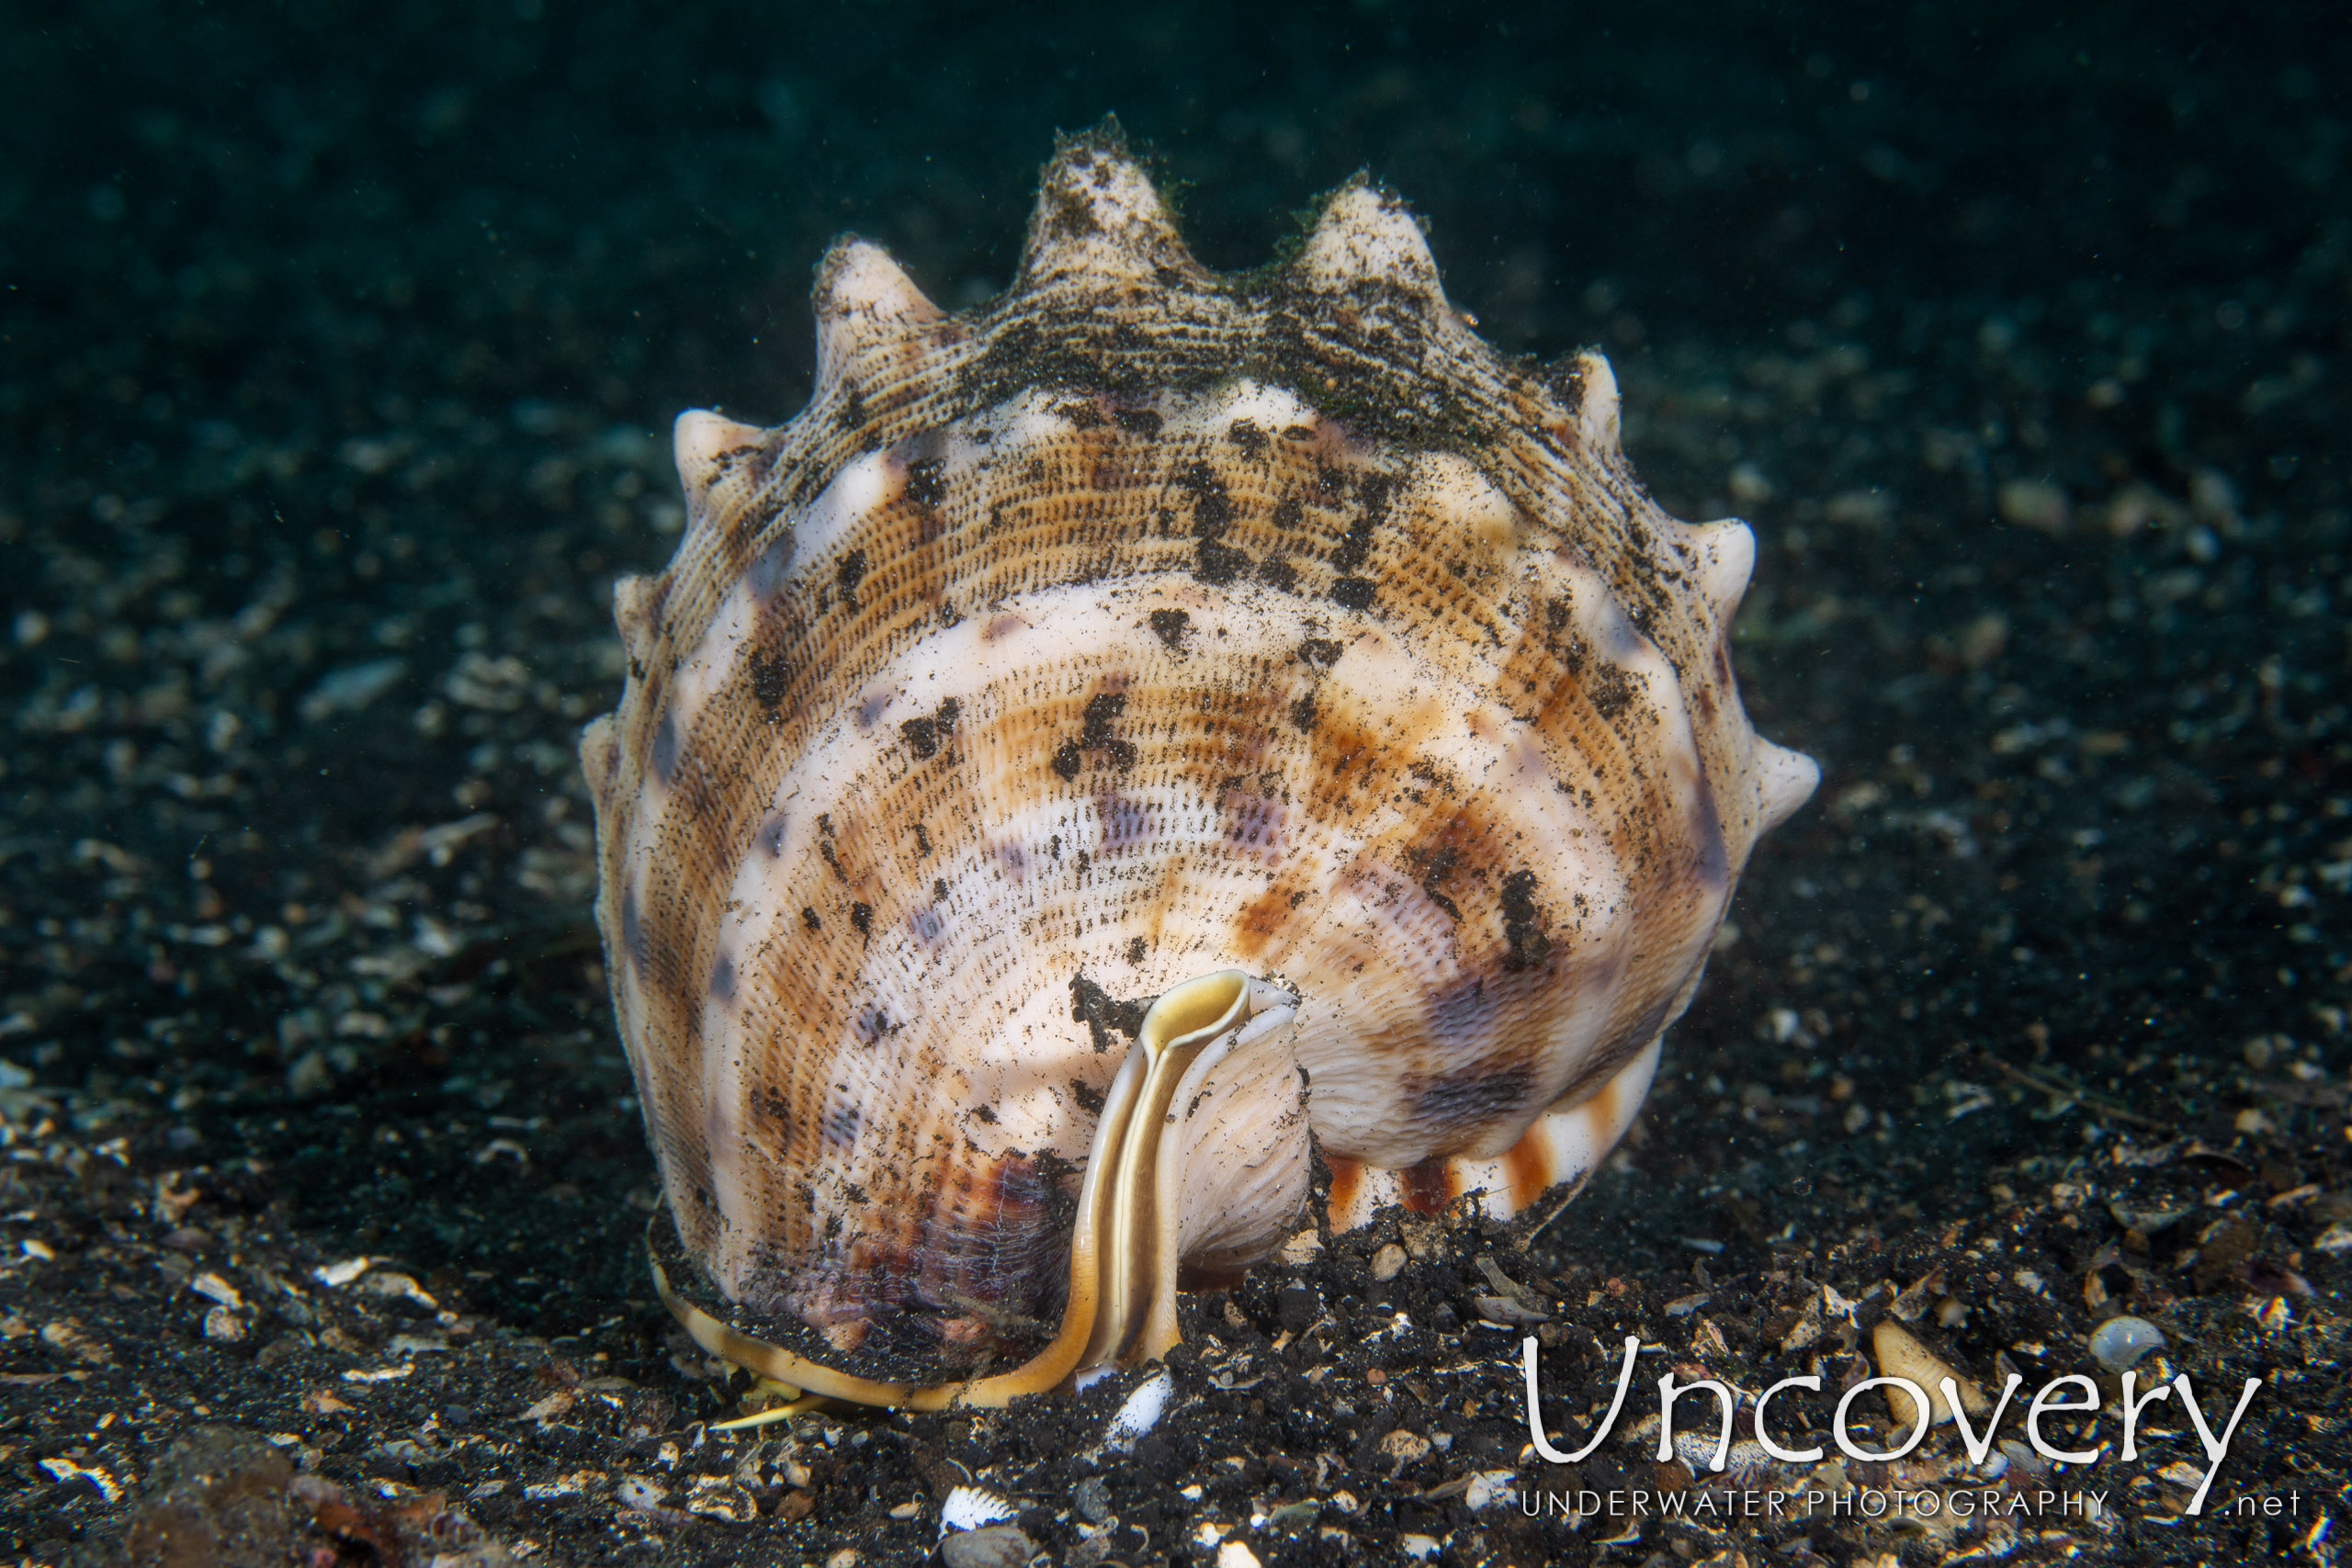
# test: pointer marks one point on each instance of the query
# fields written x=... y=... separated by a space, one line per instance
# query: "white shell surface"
x=1144 y=624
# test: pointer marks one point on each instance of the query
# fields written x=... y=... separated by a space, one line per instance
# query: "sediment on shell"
x=1143 y=625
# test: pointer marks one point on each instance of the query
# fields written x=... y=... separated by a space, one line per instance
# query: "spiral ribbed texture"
x=1145 y=623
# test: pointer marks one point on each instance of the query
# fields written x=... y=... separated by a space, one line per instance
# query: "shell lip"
x=1124 y=1260
x=722 y=1338
x=805 y=1373
x=687 y=1288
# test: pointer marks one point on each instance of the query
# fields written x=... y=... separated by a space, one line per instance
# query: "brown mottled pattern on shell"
x=842 y=1162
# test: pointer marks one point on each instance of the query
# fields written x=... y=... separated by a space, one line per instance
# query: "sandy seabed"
x=336 y=352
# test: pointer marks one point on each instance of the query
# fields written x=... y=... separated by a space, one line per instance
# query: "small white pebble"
x=634 y=1492
x=1404 y=1447
x=1489 y=1487
x=1302 y=1247
x=390 y=1282
x=343 y=1273
x=212 y=1287
x=1420 y=1548
x=1140 y=1413
x=1234 y=1554
x=1388 y=1262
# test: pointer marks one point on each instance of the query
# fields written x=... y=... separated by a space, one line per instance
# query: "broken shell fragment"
x=1901 y=1355
x=970 y=1507
x=2121 y=1342
x=1121 y=743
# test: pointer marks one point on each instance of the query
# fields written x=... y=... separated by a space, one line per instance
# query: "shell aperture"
x=1067 y=670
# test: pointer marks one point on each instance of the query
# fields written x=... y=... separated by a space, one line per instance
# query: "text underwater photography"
x=1221 y=786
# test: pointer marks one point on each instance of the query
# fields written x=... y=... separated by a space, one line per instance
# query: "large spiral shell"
x=1149 y=626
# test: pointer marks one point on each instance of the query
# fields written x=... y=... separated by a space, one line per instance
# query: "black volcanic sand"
x=340 y=346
